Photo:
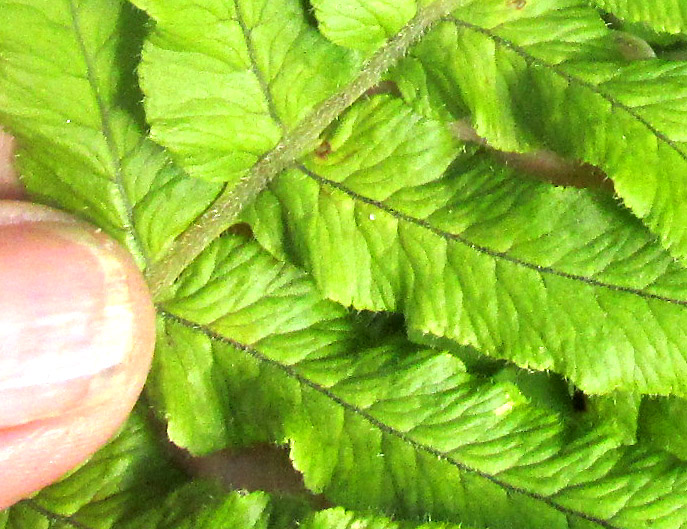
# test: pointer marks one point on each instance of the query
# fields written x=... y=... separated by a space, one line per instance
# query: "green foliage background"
x=339 y=268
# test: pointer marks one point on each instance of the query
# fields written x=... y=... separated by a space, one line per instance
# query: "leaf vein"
x=264 y=85
x=54 y=517
x=484 y=249
x=228 y=205
x=571 y=79
x=291 y=372
x=108 y=133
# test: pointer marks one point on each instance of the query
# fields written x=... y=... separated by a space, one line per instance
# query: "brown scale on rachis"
x=323 y=150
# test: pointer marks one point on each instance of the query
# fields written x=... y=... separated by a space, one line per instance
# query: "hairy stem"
x=226 y=209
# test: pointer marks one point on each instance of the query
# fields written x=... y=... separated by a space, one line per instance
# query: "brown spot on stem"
x=384 y=87
x=323 y=150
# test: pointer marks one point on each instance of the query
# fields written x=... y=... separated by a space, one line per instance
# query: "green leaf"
x=612 y=115
x=475 y=71
x=190 y=373
x=273 y=53
x=398 y=428
x=628 y=98
x=662 y=423
x=259 y=511
x=61 y=94
x=543 y=389
x=551 y=30
x=518 y=269
x=474 y=361
x=232 y=74
x=341 y=519
x=619 y=410
x=662 y=15
x=362 y=25
x=354 y=114
x=203 y=506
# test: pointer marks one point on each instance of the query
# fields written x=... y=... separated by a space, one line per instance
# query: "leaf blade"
x=512 y=267
x=226 y=209
x=666 y=15
x=421 y=411
x=62 y=93
x=566 y=106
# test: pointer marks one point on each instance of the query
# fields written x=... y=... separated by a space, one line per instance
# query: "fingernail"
x=66 y=320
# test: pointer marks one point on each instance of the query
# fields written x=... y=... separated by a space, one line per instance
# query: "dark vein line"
x=107 y=131
x=264 y=85
x=531 y=59
x=293 y=373
x=53 y=516
x=484 y=249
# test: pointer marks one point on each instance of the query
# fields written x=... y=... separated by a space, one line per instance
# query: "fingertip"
x=76 y=339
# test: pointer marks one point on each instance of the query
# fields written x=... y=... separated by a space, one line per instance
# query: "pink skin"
x=76 y=340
